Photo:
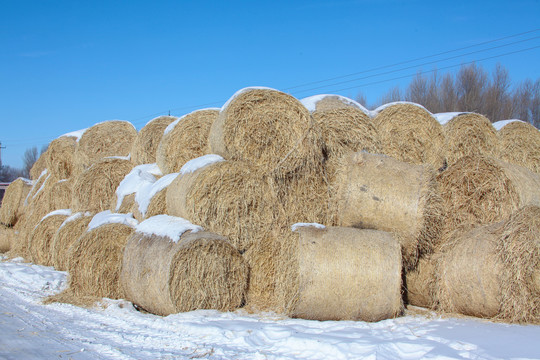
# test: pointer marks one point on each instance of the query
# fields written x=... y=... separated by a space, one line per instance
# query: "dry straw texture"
x=40 y=240
x=127 y=205
x=157 y=206
x=13 y=202
x=6 y=238
x=60 y=194
x=469 y=273
x=38 y=167
x=469 y=134
x=59 y=157
x=95 y=261
x=110 y=138
x=187 y=140
x=519 y=143
x=146 y=143
x=268 y=128
x=229 y=198
x=420 y=284
x=379 y=192
x=481 y=190
x=95 y=188
x=200 y=271
x=410 y=133
x=68 y=233
x=519 y=251
x=341 y=274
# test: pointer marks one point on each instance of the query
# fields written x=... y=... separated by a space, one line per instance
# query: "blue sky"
x=66 y=65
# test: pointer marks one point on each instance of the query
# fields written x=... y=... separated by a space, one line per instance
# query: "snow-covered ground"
x=115 y=330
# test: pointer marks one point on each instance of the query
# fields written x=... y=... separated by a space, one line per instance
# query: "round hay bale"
x=184 y=139
x=382 y=193
x=229 y=198
x=519 y=251
x=140 y=177
x=420 y=284
x=468 y=273
x=60 y=194
x=519 y=143
x=40 y=240
x=109 y=138
x=268 y=128
x=169 y=266
x=325 y=102
x=95 y=259
x=151 y=200
x=39 y=166
x=410 y=133
x=341 y=273
x=482 y=190
x=144 y=148
x=13 y=201
x=7 y=235
x=469 y=134
x=66 y=235
x=94 y=189
x=59 y=157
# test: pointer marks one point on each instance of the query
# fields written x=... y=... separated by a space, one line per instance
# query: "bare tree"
x=470 y=84
x=29 y=158
x=393 y=95
x=447 y=94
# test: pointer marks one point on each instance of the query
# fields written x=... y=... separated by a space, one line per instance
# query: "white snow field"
x=116 y=330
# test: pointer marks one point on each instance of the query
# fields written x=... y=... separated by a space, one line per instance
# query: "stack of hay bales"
x=144 y=148
x=184 y=139
x=170 y=266
x=519 y=143
x=410 y=133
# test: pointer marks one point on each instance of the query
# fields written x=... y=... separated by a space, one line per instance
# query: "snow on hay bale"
x=144 y=148
x=519 y=143
x=482 y=190
x=379 y=192
x=39 y=166
x=344 y=126
x=268 y=128
x=13 y=202
x=66 y=235
x=95 y=259
x=469 y=134
x=170 y=266
x=94 y=189
x=139 y=177
x=410 y=133
x=40 y=240
x=109 y=138
x=184 y=139
x=151 y=200
x=340 y=273
x=229 y=198
x=59 y=157
x=60 y=194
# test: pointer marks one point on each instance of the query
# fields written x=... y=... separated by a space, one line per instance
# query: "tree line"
x=473 y=89
x=8 y=173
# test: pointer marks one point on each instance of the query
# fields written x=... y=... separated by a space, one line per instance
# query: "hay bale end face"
x=410 y=133
x=59 y=157
x=341 y=273
x=379 y=192
x=268 y=128
x=192 y=270
x=185 y=139
x=66 y=235
x=13 y=202
x=40 y=240
x=144 y=148
x=60 y=194
x=519 y=143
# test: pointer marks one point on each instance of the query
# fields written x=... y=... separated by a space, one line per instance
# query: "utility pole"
x=1 y=147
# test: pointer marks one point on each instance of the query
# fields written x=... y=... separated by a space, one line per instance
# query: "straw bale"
x=67 y=234
x=144 y=148
x=482 y=190
x=420 y=284
x=185 y=139
x=95 y=261
x=95 y=188
x=382 y=193
x=268 y=128
x=60 y=194
x=200 y=271
x=39 y=166
x=229 y=198
x=519 y=251
x=519 y=143
x=7 y=235
x=340 y=273
x=469 y=134
x=410 y=133
x=59 y=157
x=40 y=240
x=109 y=138
x=151 y=200
x=13 y=202
x=469 y=273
